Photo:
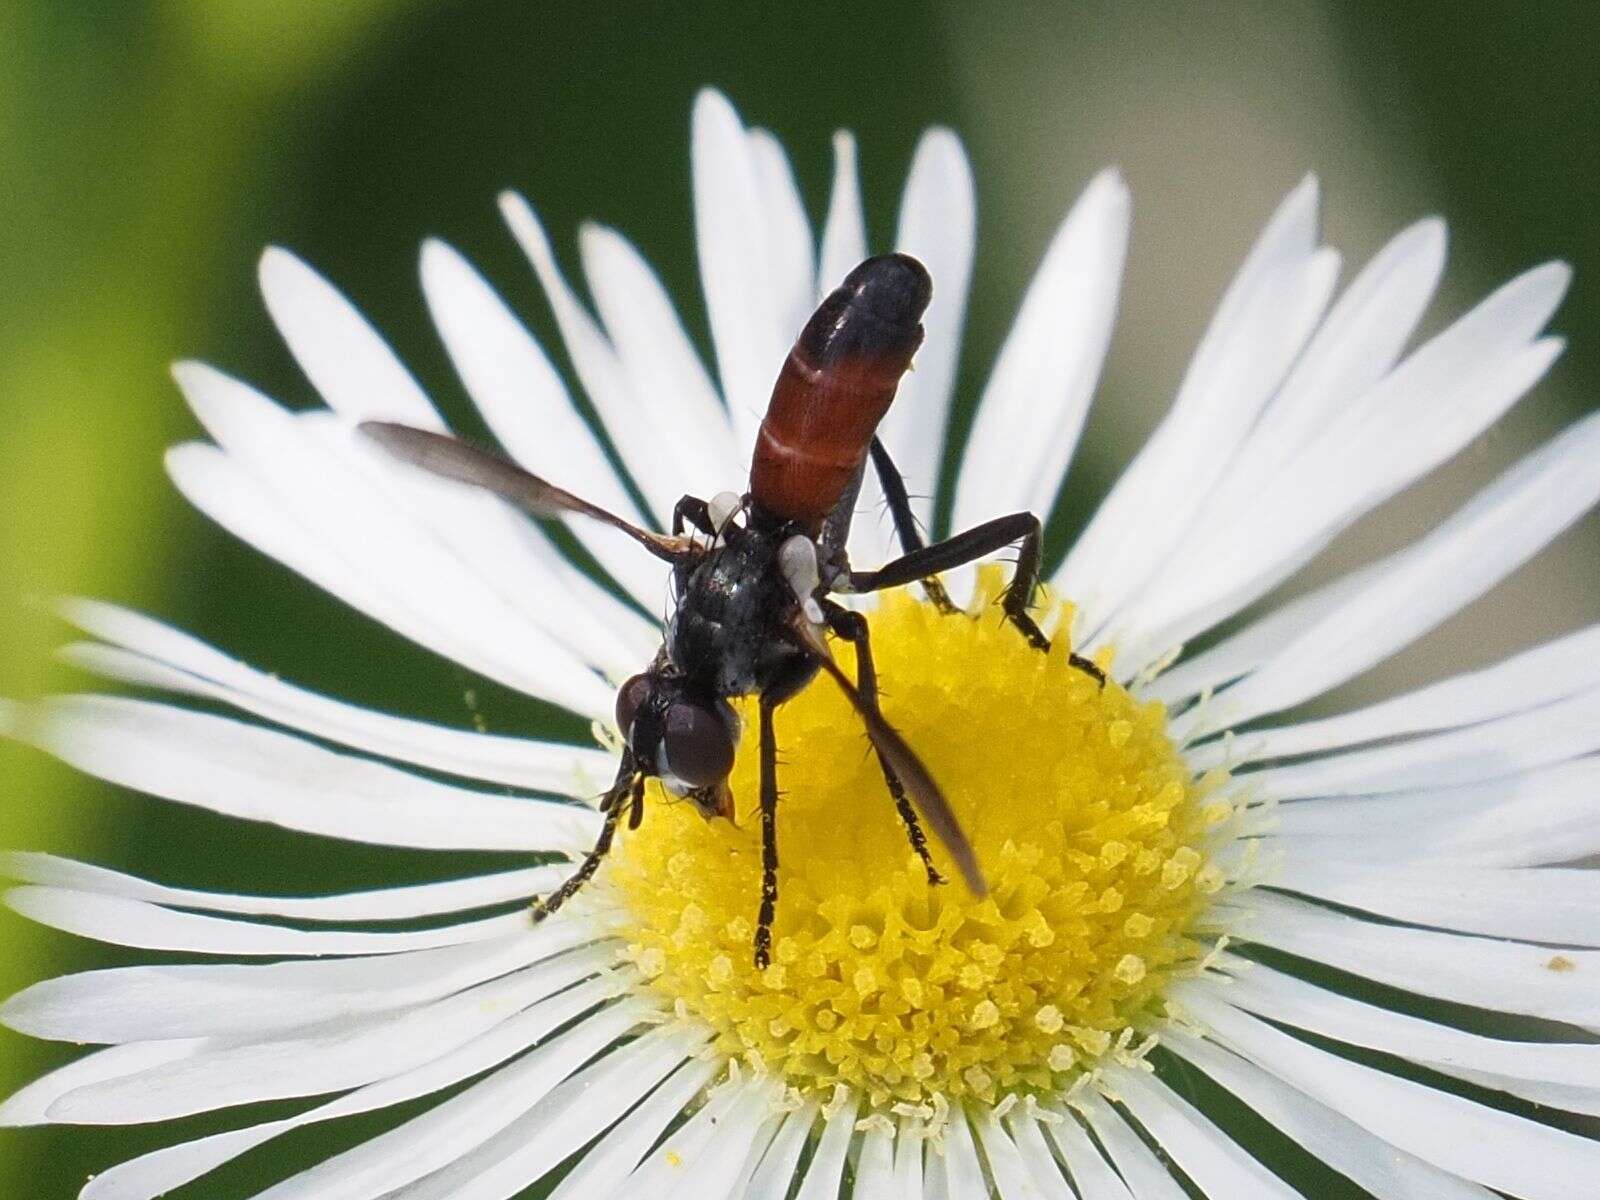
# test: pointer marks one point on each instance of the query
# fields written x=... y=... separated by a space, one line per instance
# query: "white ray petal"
x=1284 y=528
x=1034 y=406
x=844 y=233
x=1146 y=1177
x=957 y=1172
x=202 y=670
x=345 y=359
x=499 y=551
x=122 y=922
x=585 y=1106
x=938 y=227
x=1012 y=1178
x=135 y=1004
x=259 y=774
x=161 y=1171
x=1483 y=542
x=1209 y=1157
x=30 y=1105
x=1047 y=1174
x=730 y=221
x=1091 y=1173
x=526 y=406
x=1552 y=905
x=662 y=366
x=678 y=1157
x=793 y=254
x=377 y=904
x=1501 y=976
x=909 y=1148
x=1550 y=815
x=623 y=414
x=1370 y=1162
x=343 y=1054
x=743 y=1133
x=827 y=1163
x=1495 y=1148
x=380 y=548
x=1496 y=749
x=466 y=1120
x=874 y=1171
x=1288 y=1000
x=776 y=1173
x=1263 y=321
x=1552 y=671
x=614 y=1156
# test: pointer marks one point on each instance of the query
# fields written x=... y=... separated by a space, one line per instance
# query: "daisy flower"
x=1204 y=918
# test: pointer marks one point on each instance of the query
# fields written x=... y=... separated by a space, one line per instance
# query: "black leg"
x=693 y=510
x=769 y=837
x=852 y=627
x=612 y=806
x=1021 y=528
x=905 y=521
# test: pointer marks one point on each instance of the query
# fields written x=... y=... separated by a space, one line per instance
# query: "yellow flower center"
x=1089 y=827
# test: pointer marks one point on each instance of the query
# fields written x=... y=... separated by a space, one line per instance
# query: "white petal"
x=844 y=235
x=1498 y=1149
x=1210 y=1158
x=1012 y=1179
x=1552 y=671
x=874 y=1172
x=938 y=227
x=445 y=1132
x=1505 y=746
x=791 y=252
x=133 y=1004
x=377 y=904
x=1482 y=543
x=1147 y=1177
x=340 y=352
x=1036 y=401
x=1558 y=906
x=679 y=1156
x=1043 y=1169
x=1550 y=815
x=747 y=319
x=124 y=922
x=1501 y=976
x=527 y=408
x=827 y=1164
x=404 y=578
x=259 y=774
x=909 y=1148
x=1288 y=1000
x=613 y=1157
x=31 y=1104
x=604 y=380
x=1263 y=321
x=676 y=395
x=1330 y=1135
x=161 y=1171
x=586 y=1105
x=343 y=1054
x=1091 y=1173
x=200 y=670
x=744 y=1133
x=775 y=1175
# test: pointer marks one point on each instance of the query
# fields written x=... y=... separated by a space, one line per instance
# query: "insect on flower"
x=754 y=588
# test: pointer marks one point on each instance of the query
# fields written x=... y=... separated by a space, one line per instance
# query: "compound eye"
x=631 y=697
x=698 y=745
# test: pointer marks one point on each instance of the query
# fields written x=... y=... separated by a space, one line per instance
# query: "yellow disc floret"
x=1086 y=820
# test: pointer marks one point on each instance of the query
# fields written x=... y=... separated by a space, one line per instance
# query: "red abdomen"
x=835 y=387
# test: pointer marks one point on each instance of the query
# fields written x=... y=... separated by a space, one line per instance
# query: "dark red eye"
x=698 y=745
x=631 y=697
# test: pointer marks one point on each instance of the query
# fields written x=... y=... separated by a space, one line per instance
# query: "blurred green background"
x=149 y=149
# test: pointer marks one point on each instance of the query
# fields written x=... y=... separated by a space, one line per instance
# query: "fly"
x=755 y=588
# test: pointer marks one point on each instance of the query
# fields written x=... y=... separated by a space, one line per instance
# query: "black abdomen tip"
x=894 y=287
